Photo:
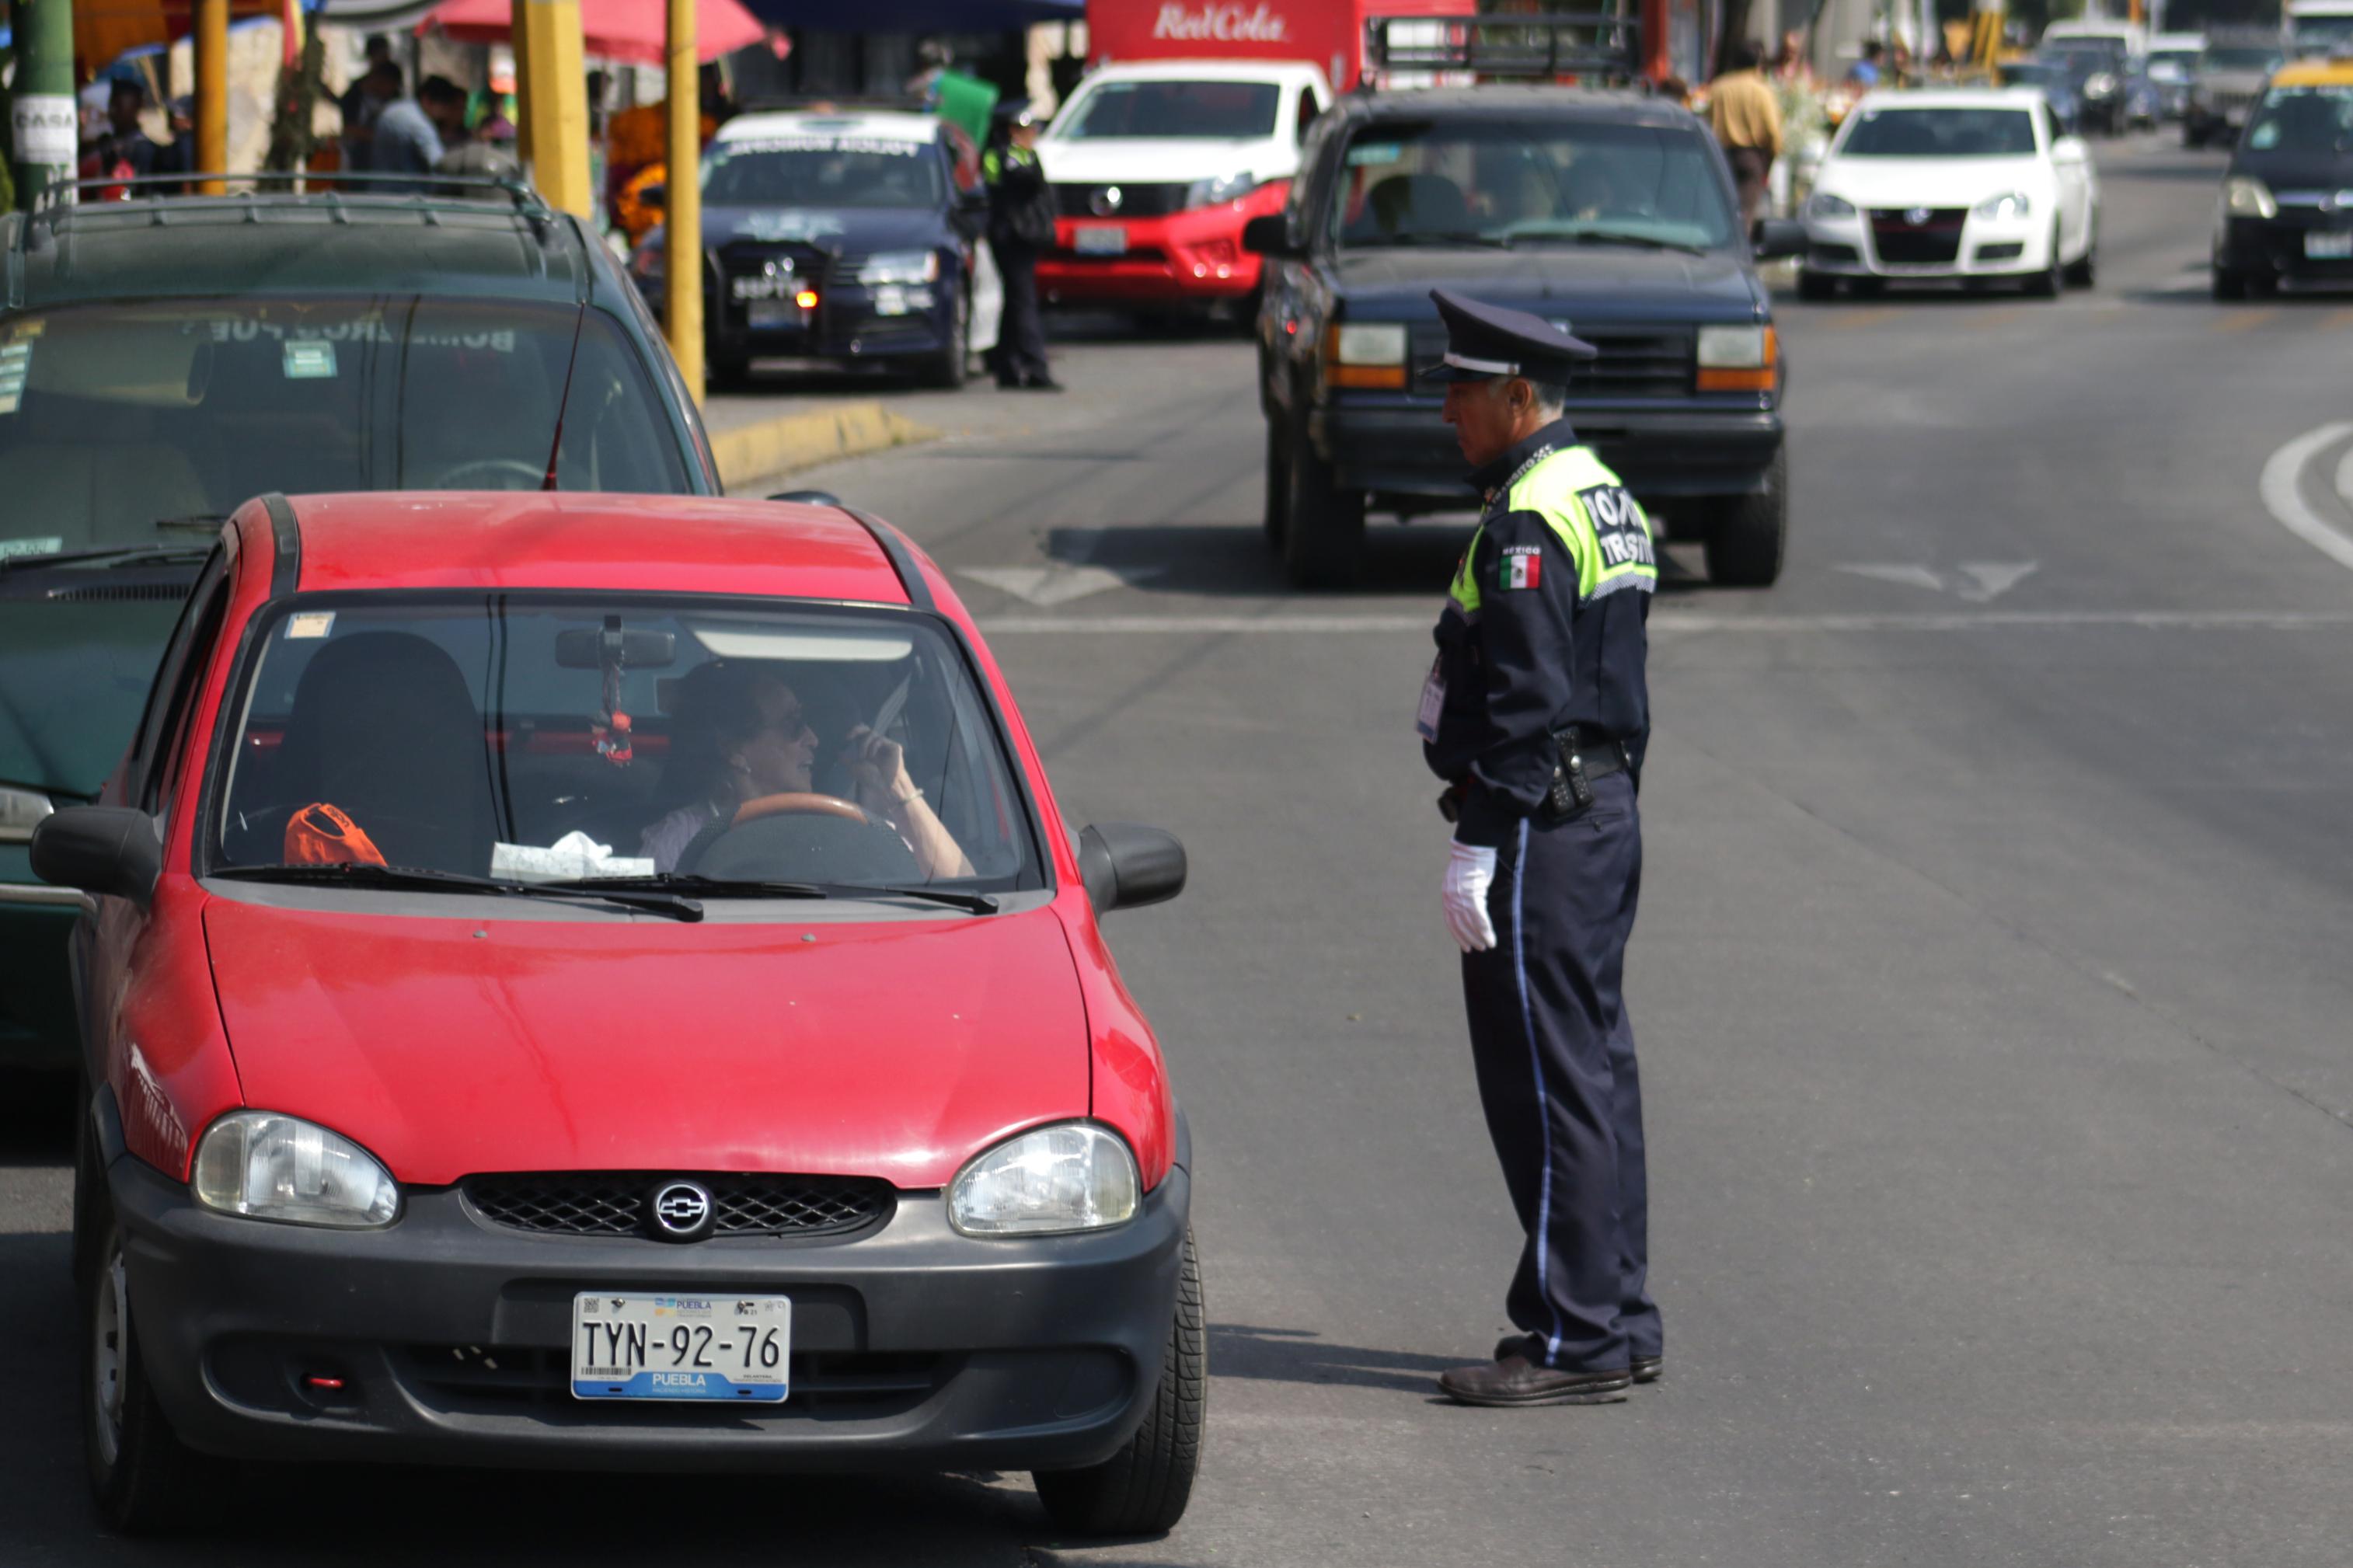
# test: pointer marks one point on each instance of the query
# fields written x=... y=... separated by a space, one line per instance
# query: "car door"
x=2069 y=166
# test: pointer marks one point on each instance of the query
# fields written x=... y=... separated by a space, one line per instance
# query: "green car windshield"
x=123 y=423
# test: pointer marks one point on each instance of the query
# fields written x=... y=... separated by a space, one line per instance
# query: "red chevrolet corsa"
x=577 y=980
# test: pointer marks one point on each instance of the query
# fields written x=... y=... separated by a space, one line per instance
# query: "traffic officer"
x=1536 y=714
x=1020 y=225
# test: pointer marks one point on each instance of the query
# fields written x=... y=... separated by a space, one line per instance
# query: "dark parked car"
x=847 y=237
x=2112 y=85
x=2230 y=79
x=2283 y=214
x=1611 y=213
x=2058 y=85
x=164 y=359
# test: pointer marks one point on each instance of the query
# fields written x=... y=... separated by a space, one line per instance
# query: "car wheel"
x=2230 y=286
x=2083 y=272
x=1278 y=484
x=1817 y=286
x=1144 y=1487
x=2191 y=136
x=2047 y=283
x=1323 y=526
x=144 y=1480
x=1745 y=539
x=947 y=373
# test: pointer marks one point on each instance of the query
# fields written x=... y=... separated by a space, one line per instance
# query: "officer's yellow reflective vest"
x=1565 y=489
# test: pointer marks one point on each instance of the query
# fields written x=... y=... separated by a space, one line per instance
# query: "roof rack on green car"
x=166 y=197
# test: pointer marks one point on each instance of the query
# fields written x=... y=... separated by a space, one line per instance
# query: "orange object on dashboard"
x=321 y=835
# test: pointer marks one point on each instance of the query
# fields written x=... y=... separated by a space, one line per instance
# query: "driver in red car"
x=742 y=735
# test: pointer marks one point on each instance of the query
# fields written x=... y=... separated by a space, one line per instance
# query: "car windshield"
x=545 y=739
x=822 y=172
x=1941 y=133
x=2111 y=52
x=2322 y=35
x=1530 y=183
x=1209 y=109
x=122 y=422
x=2229 y=59
x=2304 y=119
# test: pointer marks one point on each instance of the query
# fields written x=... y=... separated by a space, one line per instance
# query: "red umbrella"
x=630 y=31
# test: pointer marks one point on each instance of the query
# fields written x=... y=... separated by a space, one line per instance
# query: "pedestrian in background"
x=1864 y=72
x=1020 y=225
x=1745 y=114
x=1536 y=714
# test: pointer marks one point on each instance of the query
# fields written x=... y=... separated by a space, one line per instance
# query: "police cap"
x=1484 y=340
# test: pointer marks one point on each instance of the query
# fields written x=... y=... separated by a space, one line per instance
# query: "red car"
x=556 y=966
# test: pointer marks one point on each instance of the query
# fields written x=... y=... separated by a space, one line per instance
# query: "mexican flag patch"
x=1522 y=566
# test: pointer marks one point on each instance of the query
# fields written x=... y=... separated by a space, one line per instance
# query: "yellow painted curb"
x=769 y=447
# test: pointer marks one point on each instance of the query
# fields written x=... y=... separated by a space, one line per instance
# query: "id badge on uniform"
x=1433 y=703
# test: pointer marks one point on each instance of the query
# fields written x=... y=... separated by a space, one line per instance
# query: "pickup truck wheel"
x=1278 y=484
x=1144 y=1487
x=1745 y=541
x=2048 y=283
x=2083 y=272
x=144 y=1480
x=1324 y=527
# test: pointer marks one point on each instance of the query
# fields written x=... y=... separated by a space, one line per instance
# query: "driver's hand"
x=879 y=763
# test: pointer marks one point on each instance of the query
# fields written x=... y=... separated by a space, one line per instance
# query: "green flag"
x=966 y=101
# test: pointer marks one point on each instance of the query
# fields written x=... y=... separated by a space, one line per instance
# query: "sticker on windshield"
x=1365 y=152
x=791 y=225
x=310 y=625
x=46 y=546
x=884 y=147
x=308 y=359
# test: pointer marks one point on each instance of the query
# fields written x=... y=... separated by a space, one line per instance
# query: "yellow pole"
x=682 y=212
x=519 y=39
x=551 y=81
x=212 y=93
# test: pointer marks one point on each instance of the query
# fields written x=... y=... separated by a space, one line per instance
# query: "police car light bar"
x=1587 y=43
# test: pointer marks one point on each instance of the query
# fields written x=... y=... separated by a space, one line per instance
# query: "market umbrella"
x=629 y=31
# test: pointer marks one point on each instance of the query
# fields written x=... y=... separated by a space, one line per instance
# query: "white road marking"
x=1910 y=576
x=1995 y=578
x=1979 y=582
x=2344 y=477
x=2284 y=498
x=1056 y=583
x=1675 y=623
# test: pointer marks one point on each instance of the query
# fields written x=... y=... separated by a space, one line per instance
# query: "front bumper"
x=1983 y=247
x=851 y=324
x=1186 y=258
x=1403 y=452
x=2278 y=246
x=913 y=1347
x=37 y=1005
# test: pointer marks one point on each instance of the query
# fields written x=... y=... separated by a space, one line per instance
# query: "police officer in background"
x=1020 y=225
x=1536 y=714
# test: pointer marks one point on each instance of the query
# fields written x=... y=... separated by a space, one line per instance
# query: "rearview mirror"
x=1125 y=865
x=585 y=649
x=109 y=849
x=1266 y=235
x=1778 y=236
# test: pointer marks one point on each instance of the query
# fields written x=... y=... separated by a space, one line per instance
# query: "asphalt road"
x=1990 y=985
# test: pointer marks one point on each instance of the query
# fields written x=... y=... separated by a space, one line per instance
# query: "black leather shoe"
x=1516 y=1380
x=1646 y=1368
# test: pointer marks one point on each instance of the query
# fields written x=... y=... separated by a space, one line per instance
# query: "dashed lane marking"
x=2239 y=321
x=2282 y=492
x=1672 y=623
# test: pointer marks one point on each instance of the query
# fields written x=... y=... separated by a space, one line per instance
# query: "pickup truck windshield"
x=822 y=172
x=1232 y=110
x=122 y=422
x=1514 y=183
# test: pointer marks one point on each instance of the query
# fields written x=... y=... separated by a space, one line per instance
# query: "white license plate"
x=760 y=287
x=1101 y=239
x=772 y=313
x=2320 y=246
x=890 y=300
x=733 y=1350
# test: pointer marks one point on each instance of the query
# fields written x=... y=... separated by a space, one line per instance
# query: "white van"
x=2132 y=35
x=2320 y=27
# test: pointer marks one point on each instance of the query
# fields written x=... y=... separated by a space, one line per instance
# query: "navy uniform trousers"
x=1556 y=1076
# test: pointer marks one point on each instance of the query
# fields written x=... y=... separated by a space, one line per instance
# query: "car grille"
x=1901 y=242
x=618 y=1203
x=1152 y=200
x=2229 y=100
x=1633 y=361
x=479 y=1380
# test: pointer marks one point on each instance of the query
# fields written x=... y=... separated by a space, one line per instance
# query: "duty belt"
x=1581 y=759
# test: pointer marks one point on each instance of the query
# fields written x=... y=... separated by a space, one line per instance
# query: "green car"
x=164 y=359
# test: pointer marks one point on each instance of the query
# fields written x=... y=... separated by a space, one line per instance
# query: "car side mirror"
x=655 y=196
x=109 y=849
x=808 y=498
x=1125 y=865
x=2068 y=150
x=1266 y=235
x=1778 y=236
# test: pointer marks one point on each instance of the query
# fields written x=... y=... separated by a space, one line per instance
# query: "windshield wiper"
x=360 y=874
x=203 y=520
x=1611 y=236
x=729 y=888
x=978 y=903
x=106 y=555
x=1381 y=242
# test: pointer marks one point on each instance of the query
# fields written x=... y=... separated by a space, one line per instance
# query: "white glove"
x=1470 y=872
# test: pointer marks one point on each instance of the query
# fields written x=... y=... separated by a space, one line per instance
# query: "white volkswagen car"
x=1952 y=184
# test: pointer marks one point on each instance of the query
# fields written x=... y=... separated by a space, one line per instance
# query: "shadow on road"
x=1298 y=1356
x=36 y=1119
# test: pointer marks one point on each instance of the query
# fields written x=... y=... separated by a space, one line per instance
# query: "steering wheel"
x=828 y=818
x=532 y=478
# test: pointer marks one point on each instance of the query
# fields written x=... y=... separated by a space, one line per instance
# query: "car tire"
x=1323 y=526
x=2085 y=271
x=142 y=1479
x=1746 y=537
x=2229 y=287
x=2049 y=283
x=1278 y=484
x=1144 y=1487
x=946 y=372
x=1817 y=286
x=2192 y=137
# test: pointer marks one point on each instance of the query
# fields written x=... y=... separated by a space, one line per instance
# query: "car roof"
x=2168 y=41
x=193 y=246
x=1953 y=98
x=583 y=541
x=1518 y=103
x=2315 y=73
x=1202 y=70
x=880 y=126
